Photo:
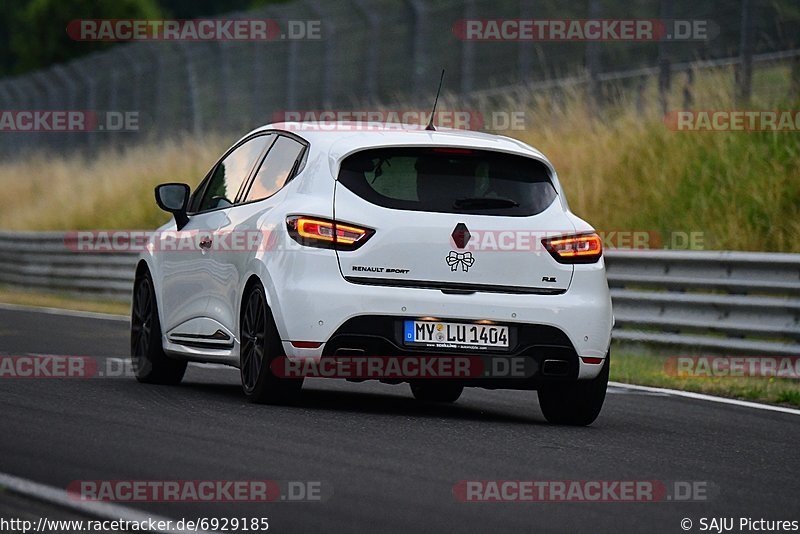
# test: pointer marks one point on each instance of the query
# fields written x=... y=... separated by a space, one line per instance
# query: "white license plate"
x=444 y=335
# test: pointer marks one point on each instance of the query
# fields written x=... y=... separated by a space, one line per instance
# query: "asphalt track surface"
x=386 y=462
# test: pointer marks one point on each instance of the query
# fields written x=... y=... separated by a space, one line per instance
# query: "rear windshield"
x=449 y=180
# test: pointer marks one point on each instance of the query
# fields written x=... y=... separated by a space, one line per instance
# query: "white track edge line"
x=63 y=311
x=710 y=398
x=675 y=392
x=59 y=497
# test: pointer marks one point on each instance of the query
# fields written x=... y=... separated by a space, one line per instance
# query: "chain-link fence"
x=383 y=51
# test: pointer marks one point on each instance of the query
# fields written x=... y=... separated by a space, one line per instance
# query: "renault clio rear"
x=385 y=242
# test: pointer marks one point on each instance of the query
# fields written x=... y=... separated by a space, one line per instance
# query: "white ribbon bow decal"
x=454 y=259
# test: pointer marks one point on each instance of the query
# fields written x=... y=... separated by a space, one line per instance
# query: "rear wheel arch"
x=141 y=268
x=150 y=362
x=260 y=346
x=258 y=273
x=251 y=282
x=144 y=268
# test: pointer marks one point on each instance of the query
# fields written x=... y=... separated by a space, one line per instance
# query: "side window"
x=276 y=168
x=229 y=174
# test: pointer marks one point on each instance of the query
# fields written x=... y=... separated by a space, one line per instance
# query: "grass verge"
x=647 y=367
x=641 y=365
x=66 y=301
x=623 y=170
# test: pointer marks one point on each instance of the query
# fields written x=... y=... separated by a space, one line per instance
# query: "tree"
x=38 y=36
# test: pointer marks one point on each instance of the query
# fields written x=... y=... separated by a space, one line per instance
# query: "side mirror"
x=174 y=198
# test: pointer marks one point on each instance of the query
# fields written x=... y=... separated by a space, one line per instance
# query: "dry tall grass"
x=113 y=190
x=628 y=171
x=624 y=171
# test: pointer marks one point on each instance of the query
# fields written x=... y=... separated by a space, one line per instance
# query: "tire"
x=260 y=345
x=150 y=364
x=436 y=391
x=577 y=403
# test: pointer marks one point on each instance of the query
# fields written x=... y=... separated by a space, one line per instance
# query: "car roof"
x=339 y=139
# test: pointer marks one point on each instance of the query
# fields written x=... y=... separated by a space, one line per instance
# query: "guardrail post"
x=794 y=84
x=292 y=74
x=525 y=49
x=744 y=70
x=593 y=63
x=373 y=50
x=664 y=61
x=89 y=94
x=195 y=121
x=69 y=99
x=688 y=97
x=329 y=66
x=419 y=53
x=468 y=53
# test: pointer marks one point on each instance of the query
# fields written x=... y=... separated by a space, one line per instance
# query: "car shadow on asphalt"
x=395 y=401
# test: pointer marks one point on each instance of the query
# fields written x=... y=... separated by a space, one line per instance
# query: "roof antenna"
x=433 y=111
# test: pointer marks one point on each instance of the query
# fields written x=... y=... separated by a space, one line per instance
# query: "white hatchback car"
x=381 y=241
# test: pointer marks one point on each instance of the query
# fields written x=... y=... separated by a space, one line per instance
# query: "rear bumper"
x=538 y=353
x=578 y=321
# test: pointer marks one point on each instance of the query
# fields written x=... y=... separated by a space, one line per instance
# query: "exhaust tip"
x=555 y=368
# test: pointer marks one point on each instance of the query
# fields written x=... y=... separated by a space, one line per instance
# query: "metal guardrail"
x=730 y=301
x=48 y=260
x=733 y=301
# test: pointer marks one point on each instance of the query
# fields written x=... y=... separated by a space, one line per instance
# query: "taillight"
x=585 y=248
x=325 y=233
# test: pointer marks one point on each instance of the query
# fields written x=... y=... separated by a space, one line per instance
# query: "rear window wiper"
x=485 y=203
